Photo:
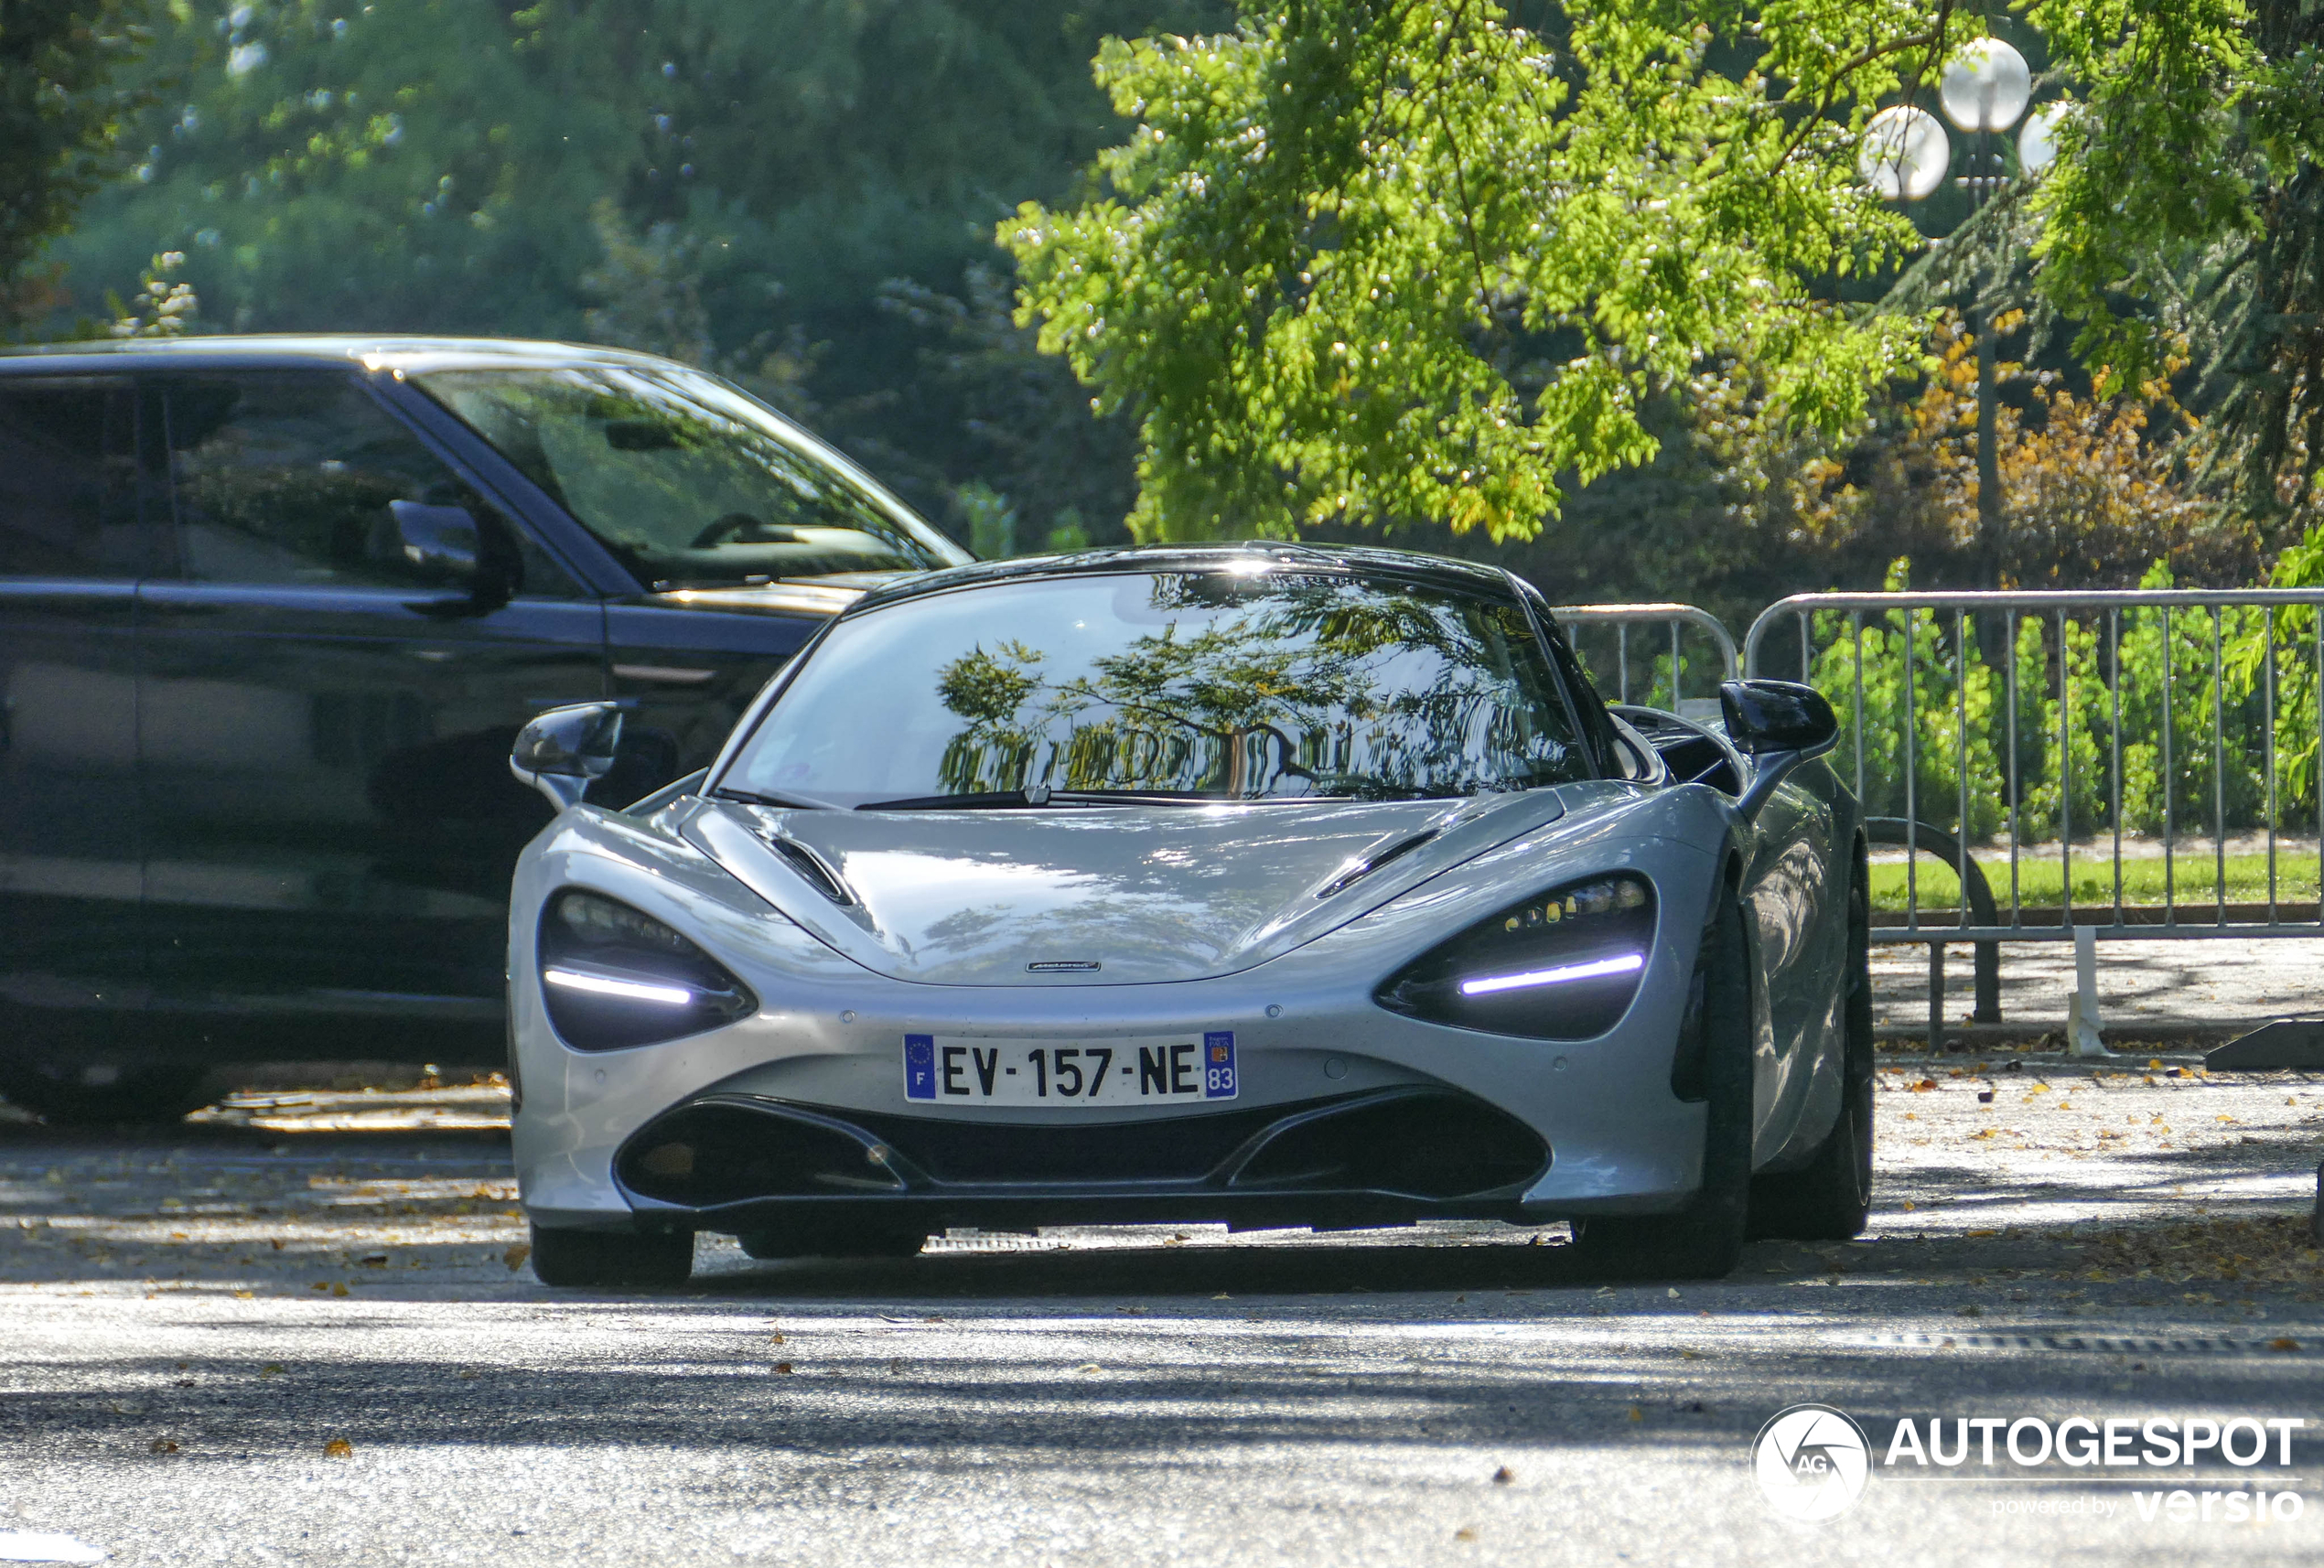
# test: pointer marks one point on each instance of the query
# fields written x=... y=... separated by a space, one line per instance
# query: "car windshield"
x=689 y=482
x=1280 y=684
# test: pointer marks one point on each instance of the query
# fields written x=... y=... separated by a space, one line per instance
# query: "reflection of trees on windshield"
x=684 y=489
x=1289 y=685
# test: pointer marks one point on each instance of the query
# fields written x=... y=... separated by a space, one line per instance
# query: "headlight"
x=614 y=977
x=1561 y=966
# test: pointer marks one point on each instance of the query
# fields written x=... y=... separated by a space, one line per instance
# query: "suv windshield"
x=1220 y=684
x=689 y=482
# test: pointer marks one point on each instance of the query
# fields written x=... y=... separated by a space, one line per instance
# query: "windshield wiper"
x=1043 y=795
x=754 y=798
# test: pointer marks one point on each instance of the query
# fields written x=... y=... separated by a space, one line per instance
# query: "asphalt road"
x=294 y=1331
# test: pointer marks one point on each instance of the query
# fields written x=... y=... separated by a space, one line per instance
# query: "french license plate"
x=975 y=1070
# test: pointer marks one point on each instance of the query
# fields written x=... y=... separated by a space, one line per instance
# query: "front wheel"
x=1831 y=1198
x=1705 y=1240
x=611 y=1259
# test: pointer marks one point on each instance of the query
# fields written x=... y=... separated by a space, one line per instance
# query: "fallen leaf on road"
x=1971 y=1310
x=1464 y=1533
x=338 y=1448
x=1637 y=1413
x=782 y=1369
x=2287 y=1343
x=163 y=1445
x=1504 y=1476
x=514 y=1257
x=339 y=1287
x=1088 y=1367
x=271 y=1370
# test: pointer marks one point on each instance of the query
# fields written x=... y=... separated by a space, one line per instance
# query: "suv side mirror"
x=440 y=541
x=566 y=749
x=1778 y=725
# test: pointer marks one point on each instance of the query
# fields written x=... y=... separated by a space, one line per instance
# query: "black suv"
x=271 y=611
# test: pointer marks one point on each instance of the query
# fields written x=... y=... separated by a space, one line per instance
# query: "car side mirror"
x=565 y=750
x=441 y=543
x=1778 y=725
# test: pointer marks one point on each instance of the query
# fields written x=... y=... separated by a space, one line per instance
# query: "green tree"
x=64 y=95
x=733 y=180
x=2186 y=210
x=1384 y=260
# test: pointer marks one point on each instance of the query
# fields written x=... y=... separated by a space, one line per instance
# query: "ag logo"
x=1811 y=1462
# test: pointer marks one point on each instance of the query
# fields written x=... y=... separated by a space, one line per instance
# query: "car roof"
x=1368 y=560
x=372 y=352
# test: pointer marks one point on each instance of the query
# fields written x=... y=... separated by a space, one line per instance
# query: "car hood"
x=1109 y=895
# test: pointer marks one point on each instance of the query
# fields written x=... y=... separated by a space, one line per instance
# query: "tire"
x=139 y=1095
x=1705 y=1240
x=1830 y=1199
x=615 y=1259
x=835 y=1242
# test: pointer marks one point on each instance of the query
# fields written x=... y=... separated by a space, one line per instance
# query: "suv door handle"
x=664 y=674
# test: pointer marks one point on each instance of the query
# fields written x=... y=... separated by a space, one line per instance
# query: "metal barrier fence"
x=2128 y=685
x=1601 y=635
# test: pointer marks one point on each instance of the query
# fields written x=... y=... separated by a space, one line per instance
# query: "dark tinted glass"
x=1275 y=685
x=687 y=481
x=68 y=479
x=292 y=480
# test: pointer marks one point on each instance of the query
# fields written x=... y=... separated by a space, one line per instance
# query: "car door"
x=73 y=547
x=330 y=821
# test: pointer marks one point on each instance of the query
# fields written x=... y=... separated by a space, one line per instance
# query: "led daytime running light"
x=627 y=990
x=1598 y=969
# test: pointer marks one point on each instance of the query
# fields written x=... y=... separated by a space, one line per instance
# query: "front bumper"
x=1593 y=1124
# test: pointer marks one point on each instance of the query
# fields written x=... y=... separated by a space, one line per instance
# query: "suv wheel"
x=56 y=1095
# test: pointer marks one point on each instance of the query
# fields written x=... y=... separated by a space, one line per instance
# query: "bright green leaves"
x=1383 y=262
x=2146 y=168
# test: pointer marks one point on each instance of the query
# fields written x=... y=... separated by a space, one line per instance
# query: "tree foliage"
x=62 y=102
x=2188 y=210
x=1392 y=260
x=731 y=180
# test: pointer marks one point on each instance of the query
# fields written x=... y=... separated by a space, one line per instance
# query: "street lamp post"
x=1985 y=91
x=1904 y=156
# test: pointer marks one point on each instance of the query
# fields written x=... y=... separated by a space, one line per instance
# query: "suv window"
x=292 y=478
x=689 y=483
x=69 y=478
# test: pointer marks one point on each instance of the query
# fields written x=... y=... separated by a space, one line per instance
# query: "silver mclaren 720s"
x=1269 y=885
